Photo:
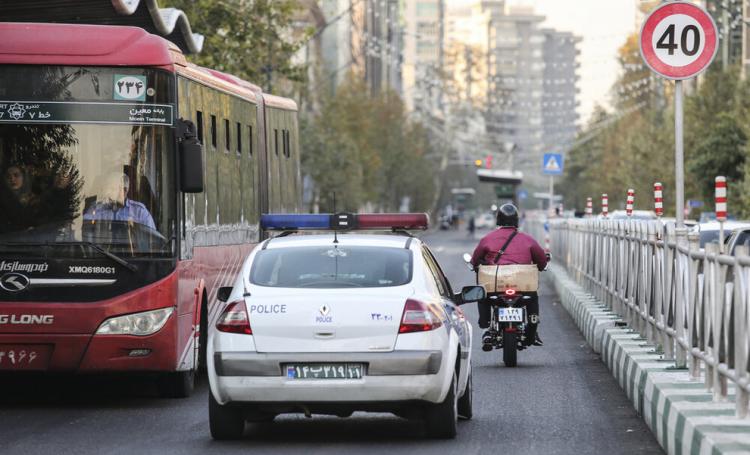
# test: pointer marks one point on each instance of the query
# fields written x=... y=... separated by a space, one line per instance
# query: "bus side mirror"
x=191 y=159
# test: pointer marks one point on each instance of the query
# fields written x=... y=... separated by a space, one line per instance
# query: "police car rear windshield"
x=327 y=267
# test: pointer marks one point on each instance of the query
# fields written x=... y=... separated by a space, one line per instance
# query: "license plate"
x=510 y=314
x=24 y=357
x=324 y=371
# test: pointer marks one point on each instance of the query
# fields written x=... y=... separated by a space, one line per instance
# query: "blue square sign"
x=552 y=164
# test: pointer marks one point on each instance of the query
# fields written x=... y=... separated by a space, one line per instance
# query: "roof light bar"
x=394 y=221
x=293 y=222
x=343 y=221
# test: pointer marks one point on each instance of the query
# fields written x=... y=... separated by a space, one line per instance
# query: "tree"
x=721 y=152
x=365 y=149
x=251 y=39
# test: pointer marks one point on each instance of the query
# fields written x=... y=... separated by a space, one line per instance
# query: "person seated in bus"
x=20 y=205
x=112 y=203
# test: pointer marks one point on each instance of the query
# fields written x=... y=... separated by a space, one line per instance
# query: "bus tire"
x=225 y=422
x=179 y=384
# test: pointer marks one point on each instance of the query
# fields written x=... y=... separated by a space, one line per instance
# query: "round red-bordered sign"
x=703 y=40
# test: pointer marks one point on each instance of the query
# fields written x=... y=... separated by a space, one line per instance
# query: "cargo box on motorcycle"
x=498 y=278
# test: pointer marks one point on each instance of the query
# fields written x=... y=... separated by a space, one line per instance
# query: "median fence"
x=693 y=304
x=669 y=319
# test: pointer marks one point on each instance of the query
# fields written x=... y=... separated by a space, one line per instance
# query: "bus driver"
x=114 y=204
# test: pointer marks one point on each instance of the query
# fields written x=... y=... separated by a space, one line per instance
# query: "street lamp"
x=509 y=149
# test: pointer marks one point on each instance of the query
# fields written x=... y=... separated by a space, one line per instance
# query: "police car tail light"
x=419 y=317
x=234 y=319
x=393 y=221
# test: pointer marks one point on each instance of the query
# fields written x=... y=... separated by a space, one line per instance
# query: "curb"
x=680 y=412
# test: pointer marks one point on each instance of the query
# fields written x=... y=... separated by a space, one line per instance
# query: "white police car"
x=333 y=323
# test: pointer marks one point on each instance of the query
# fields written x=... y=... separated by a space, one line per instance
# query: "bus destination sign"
x=82 y=112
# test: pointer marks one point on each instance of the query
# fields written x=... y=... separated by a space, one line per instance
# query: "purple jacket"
x=523 y=249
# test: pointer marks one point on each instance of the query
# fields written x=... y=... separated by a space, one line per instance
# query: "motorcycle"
x=508 y=319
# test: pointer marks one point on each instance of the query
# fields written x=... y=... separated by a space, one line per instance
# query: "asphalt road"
x=561 y=399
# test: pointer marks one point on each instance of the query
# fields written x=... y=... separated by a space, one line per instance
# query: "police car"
x=333 y=323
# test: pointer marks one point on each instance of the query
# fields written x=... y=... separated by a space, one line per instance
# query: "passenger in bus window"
x=20 y=206
x=113 y=204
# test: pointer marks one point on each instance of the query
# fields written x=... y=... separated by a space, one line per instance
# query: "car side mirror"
x=191 y=159
x=472 y=294
x=224 y=292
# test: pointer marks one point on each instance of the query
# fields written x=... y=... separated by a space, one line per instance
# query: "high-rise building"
x=560 y=90
x=363 y=37
x=528 y=86
x=423 y=34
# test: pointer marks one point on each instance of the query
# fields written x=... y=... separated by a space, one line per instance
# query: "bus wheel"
x=179 y=384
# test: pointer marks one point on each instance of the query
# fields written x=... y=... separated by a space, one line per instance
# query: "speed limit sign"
x=679 y=40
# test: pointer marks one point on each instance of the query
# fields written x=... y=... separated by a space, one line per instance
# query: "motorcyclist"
x=522 y=249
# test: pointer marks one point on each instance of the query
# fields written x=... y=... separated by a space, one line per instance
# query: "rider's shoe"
x=538 y=341
x=487 y=341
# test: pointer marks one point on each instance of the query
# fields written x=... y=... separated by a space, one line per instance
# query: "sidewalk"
x=678 y=410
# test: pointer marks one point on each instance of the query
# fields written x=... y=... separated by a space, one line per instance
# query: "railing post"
x=693 y=298
x=741 y=336
x=680 y=352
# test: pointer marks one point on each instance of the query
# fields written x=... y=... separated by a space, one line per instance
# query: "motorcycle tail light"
x=510 y=292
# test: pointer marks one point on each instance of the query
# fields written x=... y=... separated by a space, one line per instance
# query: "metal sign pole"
x=551 y=195
x=679 y=164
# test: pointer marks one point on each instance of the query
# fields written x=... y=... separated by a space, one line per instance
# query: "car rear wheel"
x=442 y=418
x=225 y=422
x=465 y=403
x=179 y=384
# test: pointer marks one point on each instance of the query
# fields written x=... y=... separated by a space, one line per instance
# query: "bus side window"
x=227 y=136
x=239 y=139
x=213 y=131
x=250 y=140
x=199 y=125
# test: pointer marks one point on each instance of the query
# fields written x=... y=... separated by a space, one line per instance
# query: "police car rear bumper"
x=395 y=363
x=393 y=376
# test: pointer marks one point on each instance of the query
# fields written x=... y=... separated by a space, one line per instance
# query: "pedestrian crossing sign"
x=552 y=164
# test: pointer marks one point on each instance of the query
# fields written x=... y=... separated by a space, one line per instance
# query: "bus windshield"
x=80 y=163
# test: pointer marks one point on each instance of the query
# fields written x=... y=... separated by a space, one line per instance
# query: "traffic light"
x=488 y=162
x=478 y=163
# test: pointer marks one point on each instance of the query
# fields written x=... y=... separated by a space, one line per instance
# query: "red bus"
x=133 y=182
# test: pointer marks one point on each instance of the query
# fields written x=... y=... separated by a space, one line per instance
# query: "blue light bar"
x=293 y=222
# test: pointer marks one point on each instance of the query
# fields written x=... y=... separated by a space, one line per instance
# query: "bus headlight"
x=139 y=324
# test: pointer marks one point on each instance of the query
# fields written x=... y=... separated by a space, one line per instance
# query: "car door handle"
x=324 y=335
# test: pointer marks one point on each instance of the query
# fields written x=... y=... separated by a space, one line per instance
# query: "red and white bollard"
x=605 y=205
x=721 y=198
x=589 y=207
x=720 y=189
x=658 y=201
x=629 y=203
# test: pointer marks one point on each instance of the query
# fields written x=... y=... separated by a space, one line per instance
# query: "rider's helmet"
x=507 y=215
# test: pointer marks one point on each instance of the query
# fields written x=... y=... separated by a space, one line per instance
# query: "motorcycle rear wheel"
x=510 y=349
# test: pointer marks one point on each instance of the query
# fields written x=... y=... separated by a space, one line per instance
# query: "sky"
x=603 y=25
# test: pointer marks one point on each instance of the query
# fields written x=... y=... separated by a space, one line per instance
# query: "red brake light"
x=419 y=317
x=510 y=292
x=234 y=319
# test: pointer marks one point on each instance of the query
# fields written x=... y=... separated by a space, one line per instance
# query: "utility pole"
x=725 y=34
x=469 y=65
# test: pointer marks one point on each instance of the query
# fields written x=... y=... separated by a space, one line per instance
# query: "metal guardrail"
x=692 y=303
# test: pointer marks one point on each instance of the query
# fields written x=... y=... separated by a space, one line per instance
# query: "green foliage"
x=251 y=39
x=633 y=147
x=721 y=151
x=366 y=150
